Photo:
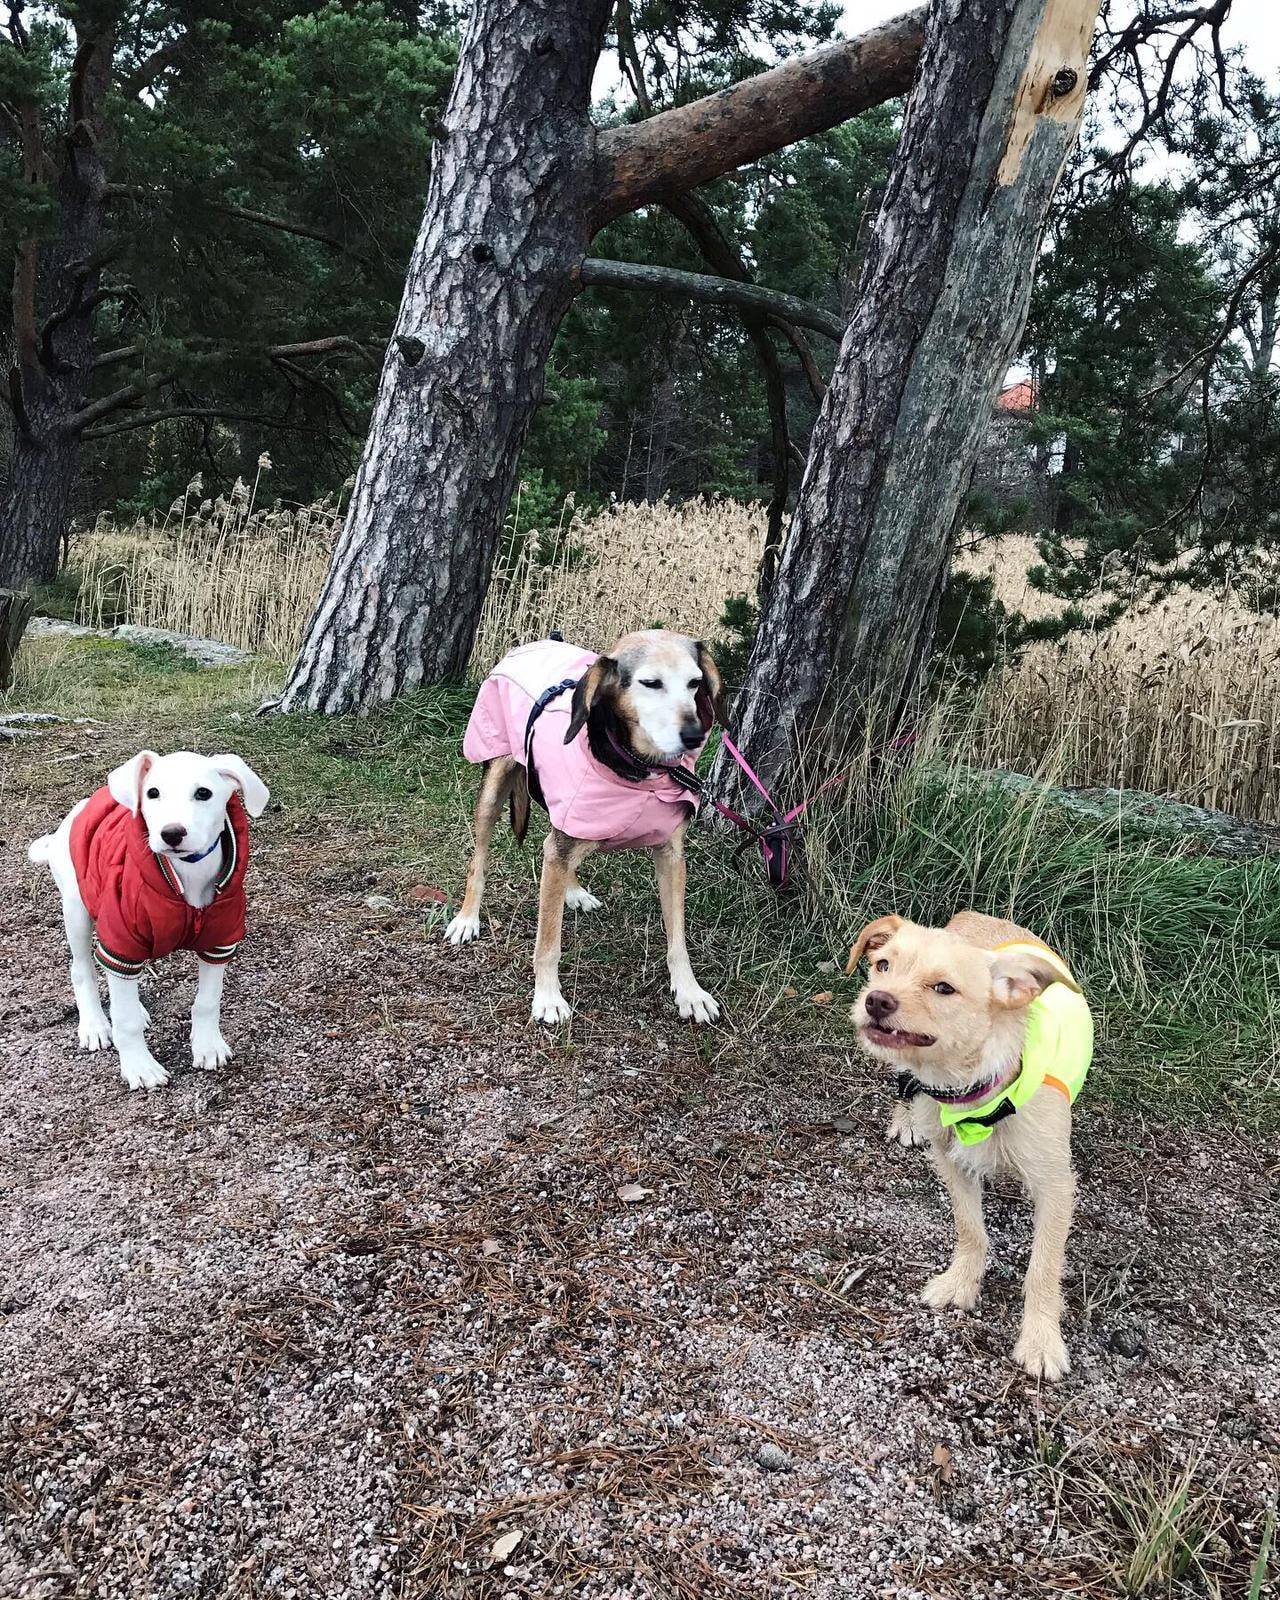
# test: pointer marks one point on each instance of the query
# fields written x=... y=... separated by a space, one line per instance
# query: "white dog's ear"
x=253 y=789
x=1021 y=975
x=125 y=783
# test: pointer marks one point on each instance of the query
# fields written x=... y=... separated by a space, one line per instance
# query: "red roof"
x=1018 y=397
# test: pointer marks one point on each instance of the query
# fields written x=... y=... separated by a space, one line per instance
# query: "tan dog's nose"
x=880 y=1005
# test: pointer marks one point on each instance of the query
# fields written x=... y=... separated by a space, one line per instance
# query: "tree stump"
x=15 y=613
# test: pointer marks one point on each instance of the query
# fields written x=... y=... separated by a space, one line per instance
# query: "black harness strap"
x=535 y=711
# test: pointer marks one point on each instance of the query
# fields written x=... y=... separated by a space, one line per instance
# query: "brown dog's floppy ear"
x=708 y=698
x=587 y=691
x=1020 y=976
x=871 y=938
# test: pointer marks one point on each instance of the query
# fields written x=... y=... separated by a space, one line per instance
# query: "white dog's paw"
x=95 y=1033
x=209 y=1051
x=694 y=1003
x=143 y=1072
x=1041 y=1352
x=551 y=1008
x=951 y=1288
x=900 y=1130
x=463 y=929
x=580 y=899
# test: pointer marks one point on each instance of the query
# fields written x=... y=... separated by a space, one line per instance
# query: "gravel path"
x=366 y=1315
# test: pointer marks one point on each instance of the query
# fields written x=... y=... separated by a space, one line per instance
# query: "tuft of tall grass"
x=224 y=569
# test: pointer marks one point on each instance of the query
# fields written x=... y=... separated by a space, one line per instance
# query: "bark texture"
x=492 y=274
x=689 y=145
x=55 y=296
x=15 y=613
x=943 y=300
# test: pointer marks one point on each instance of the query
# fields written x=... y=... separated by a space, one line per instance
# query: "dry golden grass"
x=632 y=566
x=221 y=569
x=1179 y=698
x=228 y=570
x=1182 y=698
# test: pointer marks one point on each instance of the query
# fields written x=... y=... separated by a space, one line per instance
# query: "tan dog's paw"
x=900 y=1130
x=951 y=1288
x=1041 y=1352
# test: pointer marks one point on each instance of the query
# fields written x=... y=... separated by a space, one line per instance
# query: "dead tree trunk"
x=520 y=181
x=943 y=298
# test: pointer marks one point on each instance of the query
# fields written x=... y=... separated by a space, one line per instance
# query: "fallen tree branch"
x=688 y=145
x=598 y=273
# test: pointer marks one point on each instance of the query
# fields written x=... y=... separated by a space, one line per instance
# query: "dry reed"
x=1182 y=698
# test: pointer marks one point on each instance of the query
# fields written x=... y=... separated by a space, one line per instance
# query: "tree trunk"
x=37 y=506
x=54 y=304
x=507 y=221
x=519 y=183
x=943 y=300
x=15 y=613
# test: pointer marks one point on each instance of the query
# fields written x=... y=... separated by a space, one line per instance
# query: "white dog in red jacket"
x=154 y=862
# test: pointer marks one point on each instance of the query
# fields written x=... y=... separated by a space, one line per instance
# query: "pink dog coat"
x=583 y=797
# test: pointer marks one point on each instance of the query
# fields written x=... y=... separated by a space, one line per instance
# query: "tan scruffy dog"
x=991 y=1040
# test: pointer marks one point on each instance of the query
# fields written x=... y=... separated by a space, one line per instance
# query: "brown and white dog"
x=596 y=741
x=948 y=1007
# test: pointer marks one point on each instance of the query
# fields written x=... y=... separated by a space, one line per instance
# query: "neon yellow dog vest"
x=1056 y=1054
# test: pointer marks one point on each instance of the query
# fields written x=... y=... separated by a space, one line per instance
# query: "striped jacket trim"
x=110 y=962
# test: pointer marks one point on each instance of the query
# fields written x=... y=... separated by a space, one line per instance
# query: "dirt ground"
x=365 y=1314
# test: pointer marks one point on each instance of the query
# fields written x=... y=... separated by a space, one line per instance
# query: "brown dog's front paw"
x=1040 y=1351
x=900 y=1130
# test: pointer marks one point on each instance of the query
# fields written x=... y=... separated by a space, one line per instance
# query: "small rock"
x=379 y=902
x=1127 y=1342
x=773 y=1458
x=1235 y=1425
x=425 y=893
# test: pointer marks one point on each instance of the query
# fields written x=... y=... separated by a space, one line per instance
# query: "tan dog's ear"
x=125 y=783
x=587 y=692
x=1020 y=976
x=871 y=938
x=708 y=699
x=252 y=789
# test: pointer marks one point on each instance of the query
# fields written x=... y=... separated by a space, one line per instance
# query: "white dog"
x=152 y=863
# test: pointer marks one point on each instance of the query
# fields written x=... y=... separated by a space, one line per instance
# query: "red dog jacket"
x=135 y=898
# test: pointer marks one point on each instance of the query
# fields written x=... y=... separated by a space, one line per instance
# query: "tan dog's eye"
x=882 y=965
x=942 y=988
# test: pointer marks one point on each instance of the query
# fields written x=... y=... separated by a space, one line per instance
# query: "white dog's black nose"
x=691 y=738
x=174 y=834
